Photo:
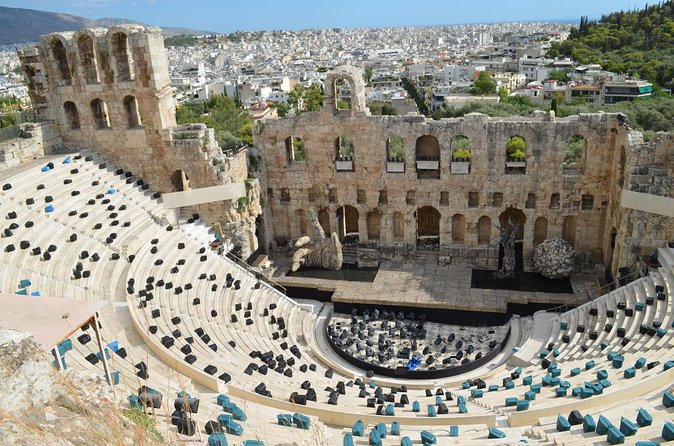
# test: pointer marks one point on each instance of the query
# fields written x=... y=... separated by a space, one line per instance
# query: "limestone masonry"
x=360 y=189
x=387 y=185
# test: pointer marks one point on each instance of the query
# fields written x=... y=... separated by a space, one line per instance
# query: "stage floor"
x=428 y=285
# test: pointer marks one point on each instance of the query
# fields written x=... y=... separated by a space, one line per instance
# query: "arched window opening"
x=100 y=113
x=398 y=226
x=85 y=46
x=342 y=94
x=574 y=155
x=516 y=154
x=461 y=154
x=395 y=149
x=484 y=230
x=72 y=115
x=180 y=181
x=61 y=58
x=120 y=49
x=347 y=218
x=373 y=225
x=427 y=152
x=344 y=153
x=458 y=228
x=569 y=230
x=295 y=148
x=540 y=230
x=428 y=226
x=132 y=112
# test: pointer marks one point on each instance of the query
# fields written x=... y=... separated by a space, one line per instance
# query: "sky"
x=226 y=16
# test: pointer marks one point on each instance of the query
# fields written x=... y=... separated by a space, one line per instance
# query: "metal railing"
x=596 y=292
x=259 y=276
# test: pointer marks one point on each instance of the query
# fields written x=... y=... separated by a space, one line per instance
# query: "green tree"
x=516 y=148
x=484 y=84
x=368 y=75
x=313 y=98
x=553 y=105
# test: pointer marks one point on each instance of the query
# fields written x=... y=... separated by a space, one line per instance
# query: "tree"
x=368 y=75
x=313 y=98
x=516 y=148
x=553 y=105
x=484 y=84
x=502 y=94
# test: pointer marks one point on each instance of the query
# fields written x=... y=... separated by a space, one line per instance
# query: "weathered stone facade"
x=33 y=140
x=420 y=199
x=109 y=90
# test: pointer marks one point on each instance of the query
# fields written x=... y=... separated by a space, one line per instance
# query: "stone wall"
x=109 y=90
x=34 y=141
x=579 y=203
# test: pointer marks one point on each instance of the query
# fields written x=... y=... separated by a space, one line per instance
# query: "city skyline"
x=214 y=16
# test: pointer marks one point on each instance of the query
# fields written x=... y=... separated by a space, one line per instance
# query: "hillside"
x=639 y=42
x=27 y=25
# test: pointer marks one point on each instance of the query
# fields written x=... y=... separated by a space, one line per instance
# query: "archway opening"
x=120 y=49
x=458 y=229
x=180 y=181
x=484 y=230
x=428 y=226
x=347 y=218
x=85 y=46
x=373 y=225
x=132 y=112
x=343 y=91
x=100 y=113
x=427 y=153
x=72 y=115
x=574 y=154
x=509 y=220
x=569 y=230
x=62 y=65
x=540 y=230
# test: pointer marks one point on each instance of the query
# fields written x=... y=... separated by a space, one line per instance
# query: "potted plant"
x=428 y=163
x=344 y=162
x=460 y=161
x=516 y=159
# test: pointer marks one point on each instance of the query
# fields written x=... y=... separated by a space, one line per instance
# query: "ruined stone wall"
x=586 y=198
x=109 y=90
x=35 y=140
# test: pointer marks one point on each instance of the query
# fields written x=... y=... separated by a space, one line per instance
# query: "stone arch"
x=374 y=225
x=508 y=218
x=398 y=226
x=72 y=115
x=347 y=220
x=484 y=230
x=569 y=230
x=301 y=218
x=295 y=149
x=132 y=112
x=60 y=55
x=120 y=50
x=87 y=56
x=427 y=148
x=575 y=150
x=324 y=221
x=458 y=228
x=428 y=225
x=461 y=148
x=540 y=230
x=180 y=181
x=517 y=217
x=427 y=153
x=100 y=113
x=395 y=148
x=356 y=81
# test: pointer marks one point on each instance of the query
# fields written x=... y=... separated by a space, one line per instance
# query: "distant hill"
x=19 y=25
x=639 y=42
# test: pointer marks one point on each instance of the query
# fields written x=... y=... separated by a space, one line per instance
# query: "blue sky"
x=227 y=15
